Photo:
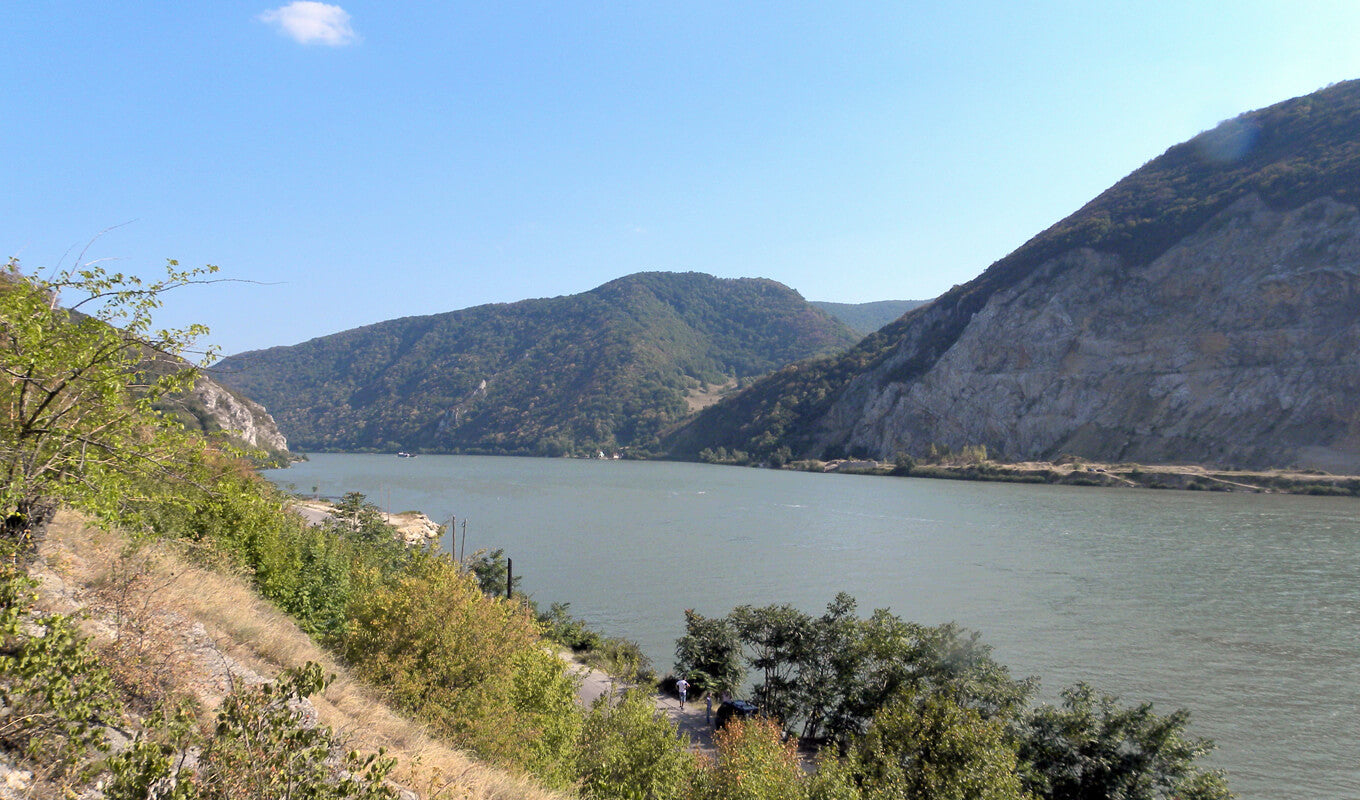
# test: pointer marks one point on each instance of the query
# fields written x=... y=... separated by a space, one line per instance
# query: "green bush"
x=470 y=665
x=754 y=763
x=629 y=752
x=55 y=696
x=260 y=749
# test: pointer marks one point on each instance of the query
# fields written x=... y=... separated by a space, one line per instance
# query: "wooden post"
x=509 y=577
x=464 y=556
x=453 y=536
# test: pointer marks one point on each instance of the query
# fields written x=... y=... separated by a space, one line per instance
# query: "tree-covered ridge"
x=605 y=369
x=1287 y=154
x=865 y=318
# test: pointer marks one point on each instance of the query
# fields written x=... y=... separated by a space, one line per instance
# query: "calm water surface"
x=1243 y=608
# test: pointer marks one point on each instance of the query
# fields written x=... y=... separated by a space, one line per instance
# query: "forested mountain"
x=1206 y=308
x=606 y=369
x=865 y=318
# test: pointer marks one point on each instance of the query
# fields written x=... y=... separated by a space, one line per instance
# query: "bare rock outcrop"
x=239 y=416
x=1237 y=347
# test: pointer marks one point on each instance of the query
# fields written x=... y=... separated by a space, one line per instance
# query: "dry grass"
x=707 y=394
x=161 y=589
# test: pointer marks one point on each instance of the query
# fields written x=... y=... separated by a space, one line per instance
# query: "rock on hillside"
x=212 y=408
x=239 y=416
x=1235 y=347
x=603 y=370
x=1205 y=309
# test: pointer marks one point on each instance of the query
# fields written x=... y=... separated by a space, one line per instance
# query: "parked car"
x=733 y=709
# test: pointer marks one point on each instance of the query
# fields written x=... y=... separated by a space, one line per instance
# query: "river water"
x=1244 y=609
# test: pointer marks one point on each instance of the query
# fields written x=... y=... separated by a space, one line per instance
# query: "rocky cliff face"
x=238 y=416
x=1202 y=309
x=1238 y=346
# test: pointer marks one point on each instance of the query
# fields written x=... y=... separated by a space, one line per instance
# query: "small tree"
x=77 y=389
x=709 y=654
x=755 y=763
x=492 y=570
x=629 y=751
x=1094 y=747
x=776 y=638
x=928 y=747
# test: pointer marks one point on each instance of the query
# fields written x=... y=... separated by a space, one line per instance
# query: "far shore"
x=1068 y=471
x=1078 y=472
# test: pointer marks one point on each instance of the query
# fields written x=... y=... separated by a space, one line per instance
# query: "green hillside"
x=609 y=368
x=1287 y=154
x=866 y=318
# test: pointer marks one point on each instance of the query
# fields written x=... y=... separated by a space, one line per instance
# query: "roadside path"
x=689 y=721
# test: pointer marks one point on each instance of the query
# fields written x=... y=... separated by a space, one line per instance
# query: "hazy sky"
x=372 y=160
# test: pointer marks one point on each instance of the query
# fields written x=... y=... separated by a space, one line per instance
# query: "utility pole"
x=464 y=556
x=453 y=535
x=509 y=577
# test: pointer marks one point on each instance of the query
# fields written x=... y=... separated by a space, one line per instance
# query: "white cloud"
x=310 y=22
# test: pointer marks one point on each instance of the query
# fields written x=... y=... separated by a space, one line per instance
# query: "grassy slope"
x=91 y=568
x=1288 y=154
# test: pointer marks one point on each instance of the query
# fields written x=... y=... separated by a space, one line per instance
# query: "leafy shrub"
x=260 y=749
x=468 y=664
x=754 y=763
x=629 y=752
x=926 y=745
x=56 y=696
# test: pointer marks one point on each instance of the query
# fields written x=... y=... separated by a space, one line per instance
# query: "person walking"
x=708 y=708
x=682 y=687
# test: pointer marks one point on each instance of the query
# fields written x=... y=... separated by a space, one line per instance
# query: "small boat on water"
x=404 y=454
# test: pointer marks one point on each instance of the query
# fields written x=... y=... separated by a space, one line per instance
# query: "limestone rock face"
x=239 y=416
x=1238 y=346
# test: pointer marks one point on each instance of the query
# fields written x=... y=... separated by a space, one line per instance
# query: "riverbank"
x=413 y=527
x=1077 y=472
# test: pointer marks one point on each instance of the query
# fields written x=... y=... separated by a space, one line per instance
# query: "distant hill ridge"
x=865 y=318
x=606 y=369
x=1202 y=309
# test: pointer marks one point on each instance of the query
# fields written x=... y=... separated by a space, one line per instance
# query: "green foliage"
x=629 y=752
x=833 y=778
x=619 y=657
x=1094 y=747
x=776 y=639
x=76 y=418
x=833 y=674
x=361 y=519
x=543 y=695
x=709 y=654
x=307 y=571
x=755 y=763
x=260 y=749
x=604 y=370
x=54 y=695
x=492 y=569
x=466 y=663
x=560 y=626
x=929 y=746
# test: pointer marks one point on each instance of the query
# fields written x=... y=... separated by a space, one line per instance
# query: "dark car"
x=733 y=709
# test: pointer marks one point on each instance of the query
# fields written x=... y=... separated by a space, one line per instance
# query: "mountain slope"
x=865 y=318
x=603 y=369
x=1201 y=309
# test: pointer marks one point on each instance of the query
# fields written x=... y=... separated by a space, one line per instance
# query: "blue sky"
x=370 y=160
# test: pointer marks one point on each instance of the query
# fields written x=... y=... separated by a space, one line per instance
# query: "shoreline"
x=1078 y=472
x=1064 y=472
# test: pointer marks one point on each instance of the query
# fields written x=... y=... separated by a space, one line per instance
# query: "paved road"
x=690 y=720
